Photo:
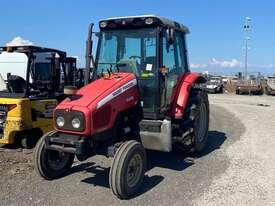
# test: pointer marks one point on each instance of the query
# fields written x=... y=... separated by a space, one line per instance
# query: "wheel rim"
x=57 y=160
x=134 y=170
x=202 y=122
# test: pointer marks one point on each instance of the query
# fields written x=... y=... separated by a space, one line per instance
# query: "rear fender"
x=182 y=93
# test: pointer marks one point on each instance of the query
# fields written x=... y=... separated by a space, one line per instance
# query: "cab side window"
x=172 y=59
x=173 y=54
x=180 y=51
x=168 y=55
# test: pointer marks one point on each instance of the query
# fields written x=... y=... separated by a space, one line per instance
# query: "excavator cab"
x=32 y=80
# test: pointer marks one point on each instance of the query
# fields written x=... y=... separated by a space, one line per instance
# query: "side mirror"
x=97 y=34
x=170 y=35
x=70 y=90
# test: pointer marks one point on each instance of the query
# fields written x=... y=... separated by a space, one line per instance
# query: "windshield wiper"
x=110 y=70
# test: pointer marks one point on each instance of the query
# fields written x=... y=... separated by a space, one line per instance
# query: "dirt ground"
x=237 y=167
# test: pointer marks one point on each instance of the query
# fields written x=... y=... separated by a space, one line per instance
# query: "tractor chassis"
x=154 y=135
x=82 y=147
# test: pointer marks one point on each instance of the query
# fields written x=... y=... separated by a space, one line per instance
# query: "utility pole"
x=247 y=38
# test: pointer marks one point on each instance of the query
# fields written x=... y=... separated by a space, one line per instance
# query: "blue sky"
x=215 y=42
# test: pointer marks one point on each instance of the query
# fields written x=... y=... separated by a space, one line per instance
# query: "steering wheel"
x=134 y=57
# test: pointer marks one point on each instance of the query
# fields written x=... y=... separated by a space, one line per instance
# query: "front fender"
x=181 y=96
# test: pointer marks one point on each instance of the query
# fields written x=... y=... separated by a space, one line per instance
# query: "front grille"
x=68 y=116
x=3 y=117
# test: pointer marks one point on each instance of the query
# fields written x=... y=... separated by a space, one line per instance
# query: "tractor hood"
x=96 y=90
x=99 y=101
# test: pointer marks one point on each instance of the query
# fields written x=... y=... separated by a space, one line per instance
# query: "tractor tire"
x=28 y=139
x=197 y=113
x=28 y=142
x=127 y=169
x=51 y=164
x=221 y=90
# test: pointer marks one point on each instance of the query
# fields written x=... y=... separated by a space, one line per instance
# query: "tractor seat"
x=16 y=84
x=128 y=65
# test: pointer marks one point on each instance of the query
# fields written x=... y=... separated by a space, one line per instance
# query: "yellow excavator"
x=32 y=81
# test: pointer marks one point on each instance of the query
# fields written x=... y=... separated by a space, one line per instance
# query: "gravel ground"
x=237 y=167
x=250 y=177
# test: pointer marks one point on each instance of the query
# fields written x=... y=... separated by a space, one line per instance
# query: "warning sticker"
x=149 y=67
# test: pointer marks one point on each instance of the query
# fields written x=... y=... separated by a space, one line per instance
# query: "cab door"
x=174 y=63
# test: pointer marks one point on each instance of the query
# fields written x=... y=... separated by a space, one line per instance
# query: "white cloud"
x=226 y=63
x=195 y=65
x=268 y=66
x=19 y=41
x=234 y=63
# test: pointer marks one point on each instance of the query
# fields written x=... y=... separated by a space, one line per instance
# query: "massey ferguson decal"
x=117 y=92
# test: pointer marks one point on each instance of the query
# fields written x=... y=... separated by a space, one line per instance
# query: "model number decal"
x=117 y=92
x=129 y=98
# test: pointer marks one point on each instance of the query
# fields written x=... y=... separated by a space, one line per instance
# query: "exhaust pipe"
x=70 y=90
x=88 y=56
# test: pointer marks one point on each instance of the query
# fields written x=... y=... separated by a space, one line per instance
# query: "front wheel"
x=51 y=164
x=127 y=170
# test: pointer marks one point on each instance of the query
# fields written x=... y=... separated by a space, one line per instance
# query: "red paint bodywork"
x=93 y=93
x=181 y=94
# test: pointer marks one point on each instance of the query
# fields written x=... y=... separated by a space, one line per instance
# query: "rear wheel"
x=28 y=139
x=28 y=142
x=51 y=164
x=127 y=170
x=197 y=114
x=221 y=89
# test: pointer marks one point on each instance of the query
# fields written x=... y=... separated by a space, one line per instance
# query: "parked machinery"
x=31 y=84
x=270 y=85
x=139 y=94
x=214 y=84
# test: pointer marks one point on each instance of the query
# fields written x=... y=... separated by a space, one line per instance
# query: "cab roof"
x=28 y=48
x=139 y=21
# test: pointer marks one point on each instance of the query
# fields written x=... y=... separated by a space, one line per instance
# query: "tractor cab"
x=34 y=72
x=152 y=48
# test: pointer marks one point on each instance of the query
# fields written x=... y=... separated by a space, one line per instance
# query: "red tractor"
x=139 y=94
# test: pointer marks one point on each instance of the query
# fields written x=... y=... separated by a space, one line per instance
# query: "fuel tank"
x=99 y=103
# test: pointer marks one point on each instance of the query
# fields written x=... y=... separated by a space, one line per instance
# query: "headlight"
x=103 y=24
x=60 y=121
x=76 y=123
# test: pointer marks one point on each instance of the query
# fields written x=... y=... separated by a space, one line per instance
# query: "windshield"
x=15 y=63
x=129 y=50
x=12 y=63
x=13 y=71
x=42 y=66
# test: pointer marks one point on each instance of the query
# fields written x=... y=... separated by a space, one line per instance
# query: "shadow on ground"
x=215 y=140
x=177 y=161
